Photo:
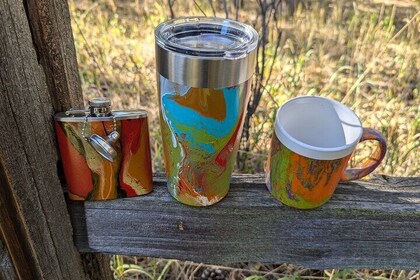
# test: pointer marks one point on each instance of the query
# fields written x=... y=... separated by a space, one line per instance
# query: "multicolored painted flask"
x=204 y=69
x=105 y=154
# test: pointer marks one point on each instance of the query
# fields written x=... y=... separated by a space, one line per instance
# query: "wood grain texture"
x=31 y=191
x=12 y=233
x=97 y=266
x=6 y=268
x=49 y=21
x=367 y=224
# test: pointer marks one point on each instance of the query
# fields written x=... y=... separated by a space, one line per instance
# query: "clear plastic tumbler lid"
x=207 y=37
x=205 y=51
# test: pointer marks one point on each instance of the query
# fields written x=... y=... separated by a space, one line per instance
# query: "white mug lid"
x=318 y=127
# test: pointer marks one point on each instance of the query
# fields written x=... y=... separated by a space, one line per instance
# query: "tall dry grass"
x=362 y=53
x=337 y=49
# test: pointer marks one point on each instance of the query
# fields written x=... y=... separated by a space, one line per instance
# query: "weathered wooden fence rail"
x=367 y=224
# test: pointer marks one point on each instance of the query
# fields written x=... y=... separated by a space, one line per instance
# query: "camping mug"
x=204 y=67
x=312 y=143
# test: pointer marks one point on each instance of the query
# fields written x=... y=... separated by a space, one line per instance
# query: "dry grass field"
x=365 y=54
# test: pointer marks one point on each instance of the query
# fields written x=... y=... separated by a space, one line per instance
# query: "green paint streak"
x=278 y=174
x=95 y=191
x=281 y=178
x=71 y=130
x=303 y=204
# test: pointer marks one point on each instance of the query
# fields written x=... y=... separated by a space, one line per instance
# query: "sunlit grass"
x=325 y=50
x=152 y=268
x=338 y=49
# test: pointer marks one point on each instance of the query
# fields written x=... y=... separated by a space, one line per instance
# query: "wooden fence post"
x=49 y=22
x=38 y=76
x=6 y=268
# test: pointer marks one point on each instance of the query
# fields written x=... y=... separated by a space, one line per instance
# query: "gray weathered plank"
x=38 y=76
x=49 y=21
x=34 y=221
x=367 y=224
x=6 y=268
x=31 y=191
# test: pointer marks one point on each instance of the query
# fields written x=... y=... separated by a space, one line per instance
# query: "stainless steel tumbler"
x=204 y=67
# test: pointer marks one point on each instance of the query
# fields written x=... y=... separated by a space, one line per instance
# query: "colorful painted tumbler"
x=105 y=154
x=204 y=67
x=312 y=143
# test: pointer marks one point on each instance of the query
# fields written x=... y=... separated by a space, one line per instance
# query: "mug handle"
x=373 y=161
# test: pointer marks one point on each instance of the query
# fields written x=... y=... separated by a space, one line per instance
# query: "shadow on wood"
x=367 y=224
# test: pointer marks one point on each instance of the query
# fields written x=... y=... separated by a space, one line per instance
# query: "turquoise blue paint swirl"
x=197 y=129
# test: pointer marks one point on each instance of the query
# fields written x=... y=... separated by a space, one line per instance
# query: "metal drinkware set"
x=204 y=71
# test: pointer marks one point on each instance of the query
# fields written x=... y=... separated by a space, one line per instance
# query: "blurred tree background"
x=362 y=53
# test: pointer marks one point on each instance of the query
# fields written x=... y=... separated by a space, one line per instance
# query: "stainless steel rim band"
x=204 y=72
x=118 y=115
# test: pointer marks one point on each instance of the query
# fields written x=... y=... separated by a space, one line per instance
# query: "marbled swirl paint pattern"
x=89 y=176
x=306 y=183
x=301 y=182
x=201 y=129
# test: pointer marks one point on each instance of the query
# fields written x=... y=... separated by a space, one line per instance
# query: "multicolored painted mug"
x=312 y=143
x=204 y=68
